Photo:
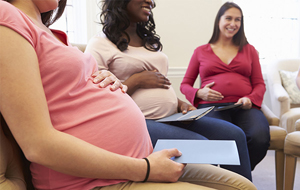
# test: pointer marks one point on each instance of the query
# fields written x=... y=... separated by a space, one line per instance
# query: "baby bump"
x=231 y=85
x=156 y=103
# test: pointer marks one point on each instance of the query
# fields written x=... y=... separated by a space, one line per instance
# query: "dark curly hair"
x=239 y=39
x=48 y=18
x=115 y=21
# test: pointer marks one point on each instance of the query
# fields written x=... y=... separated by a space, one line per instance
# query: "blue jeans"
x=205 y=128
x=253 y=123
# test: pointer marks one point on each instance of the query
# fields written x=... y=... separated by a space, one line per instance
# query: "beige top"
x=155 y=103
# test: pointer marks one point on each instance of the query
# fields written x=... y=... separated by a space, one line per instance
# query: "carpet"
x=263 y=176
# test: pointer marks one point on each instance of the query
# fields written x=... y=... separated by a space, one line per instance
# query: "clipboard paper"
x=189 y=116
x=222 y=152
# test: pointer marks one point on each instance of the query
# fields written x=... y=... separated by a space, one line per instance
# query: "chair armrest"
x=81 y=47
x=281 y=101
x=271 y=117
x=280 y=93
x=297 y=125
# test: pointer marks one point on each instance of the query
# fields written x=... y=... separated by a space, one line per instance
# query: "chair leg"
x=279 y=169
x=289 y=173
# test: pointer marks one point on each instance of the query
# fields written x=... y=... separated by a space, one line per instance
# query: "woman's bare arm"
x=146 y=79
x=24 y=107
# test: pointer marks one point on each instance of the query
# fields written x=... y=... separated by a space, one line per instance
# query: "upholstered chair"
x=277 y=135
x=14 y=168
x=292 y=152
x=284 y=94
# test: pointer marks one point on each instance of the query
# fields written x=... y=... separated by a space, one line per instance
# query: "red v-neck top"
x=242 y=77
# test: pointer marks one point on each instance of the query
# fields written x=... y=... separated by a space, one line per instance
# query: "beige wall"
x=183 y=25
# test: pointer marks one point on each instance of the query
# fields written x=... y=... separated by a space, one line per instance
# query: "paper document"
x=222 y=152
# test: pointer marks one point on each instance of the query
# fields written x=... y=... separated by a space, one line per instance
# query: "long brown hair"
x=239 y=39
x=48 y=18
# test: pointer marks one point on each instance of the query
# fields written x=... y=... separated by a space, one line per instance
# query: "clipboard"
x=221 y=108
x=189 y=116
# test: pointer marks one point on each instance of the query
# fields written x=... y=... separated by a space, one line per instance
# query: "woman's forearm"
x=70 y=155
x=132 y=83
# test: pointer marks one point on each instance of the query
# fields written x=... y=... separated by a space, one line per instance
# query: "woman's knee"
x=234 y=132
x=260 y=139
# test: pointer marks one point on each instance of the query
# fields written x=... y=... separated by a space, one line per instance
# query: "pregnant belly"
x=156 y=103
x=231 y=86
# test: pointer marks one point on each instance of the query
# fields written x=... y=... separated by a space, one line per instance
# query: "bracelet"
x=148 y=170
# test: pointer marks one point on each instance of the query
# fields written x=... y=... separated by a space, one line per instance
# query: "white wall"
x=92 y=18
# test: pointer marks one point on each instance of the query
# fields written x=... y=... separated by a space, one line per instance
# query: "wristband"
x=148 y=170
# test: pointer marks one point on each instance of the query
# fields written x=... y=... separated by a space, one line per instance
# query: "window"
x=73 y=21
x=273 y=27
x=78 y=20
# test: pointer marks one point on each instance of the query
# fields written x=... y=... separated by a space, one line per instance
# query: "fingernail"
x=96 y=80
x=101 y=85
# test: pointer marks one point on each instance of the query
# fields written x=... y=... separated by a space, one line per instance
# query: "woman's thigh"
x=151 y=186
x=166 y=131
x=215 y=177
x=196 y=176
x=217 y=129
x=252 y=122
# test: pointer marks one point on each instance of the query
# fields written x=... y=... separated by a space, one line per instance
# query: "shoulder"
x=9 y=14
x=249 y=47
x=101 y=38
x=16 y=20
x=100 y=41
x=250 y=52
x=204 y=47
x=101 y=48
x=7 y=7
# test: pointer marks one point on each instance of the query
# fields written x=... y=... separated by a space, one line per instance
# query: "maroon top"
x=242 y=77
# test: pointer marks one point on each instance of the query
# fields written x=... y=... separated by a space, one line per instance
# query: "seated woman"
x=130 y=49
x=76 y=134
x=230 y=74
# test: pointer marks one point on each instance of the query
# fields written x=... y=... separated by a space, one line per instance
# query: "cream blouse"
x=155 y=103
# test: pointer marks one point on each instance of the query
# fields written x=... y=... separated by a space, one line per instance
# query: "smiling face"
x=230 y=22
x=139 y=10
